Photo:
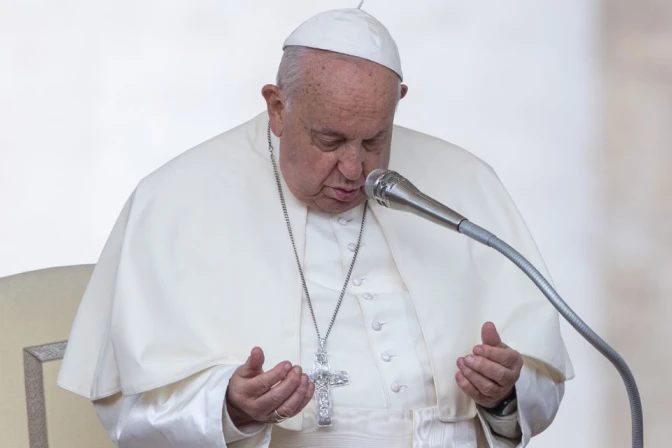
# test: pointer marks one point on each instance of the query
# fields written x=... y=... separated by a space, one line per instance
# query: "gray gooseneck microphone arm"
x=392 y=190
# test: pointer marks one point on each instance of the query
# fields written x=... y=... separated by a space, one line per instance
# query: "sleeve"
x=505 y=426
x=539 y=394
x=190 y=412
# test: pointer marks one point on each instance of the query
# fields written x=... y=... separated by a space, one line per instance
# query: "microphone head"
x=380 y=185
x=372 y=180
x=392 y=190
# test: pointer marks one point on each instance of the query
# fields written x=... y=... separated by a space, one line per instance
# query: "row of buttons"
x=352 y=247
x=376 y=325
x=344 y=221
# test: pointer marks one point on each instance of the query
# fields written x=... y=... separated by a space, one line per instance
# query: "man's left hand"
x=489 y=375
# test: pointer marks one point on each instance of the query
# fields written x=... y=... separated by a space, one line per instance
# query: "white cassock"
x=199 y=269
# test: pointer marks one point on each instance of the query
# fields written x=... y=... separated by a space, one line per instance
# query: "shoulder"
x=429 y=156
x=455 y=177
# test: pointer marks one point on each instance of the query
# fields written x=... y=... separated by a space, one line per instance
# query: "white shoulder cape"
x=199 y=269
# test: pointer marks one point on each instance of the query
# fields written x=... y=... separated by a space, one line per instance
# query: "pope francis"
x=250 y=296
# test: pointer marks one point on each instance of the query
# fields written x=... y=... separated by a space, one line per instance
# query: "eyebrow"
x=333 y=133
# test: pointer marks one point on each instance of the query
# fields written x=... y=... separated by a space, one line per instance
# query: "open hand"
x=255 y=395
x=490 y=374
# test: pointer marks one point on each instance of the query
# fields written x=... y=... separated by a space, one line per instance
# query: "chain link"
x=321 y=340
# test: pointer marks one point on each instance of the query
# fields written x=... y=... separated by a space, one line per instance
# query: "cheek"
x=309 y=161
x=295 y=153
x=321 y=171
x=307 y=168
x=324 y=165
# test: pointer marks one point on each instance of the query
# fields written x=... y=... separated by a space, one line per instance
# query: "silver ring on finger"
x=279 y=418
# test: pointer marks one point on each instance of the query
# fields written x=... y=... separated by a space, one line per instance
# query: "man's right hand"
x=255 y=395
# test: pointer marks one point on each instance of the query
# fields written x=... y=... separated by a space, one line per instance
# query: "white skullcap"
x=349 y=31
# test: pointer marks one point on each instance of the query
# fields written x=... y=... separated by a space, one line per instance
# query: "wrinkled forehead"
x=343 y=88
x=318 y=63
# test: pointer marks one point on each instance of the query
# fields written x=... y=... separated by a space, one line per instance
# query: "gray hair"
x=290 y=73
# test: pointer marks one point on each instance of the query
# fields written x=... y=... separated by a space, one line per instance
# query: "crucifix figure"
x=325 y=379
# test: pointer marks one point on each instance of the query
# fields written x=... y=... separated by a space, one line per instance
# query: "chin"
x=333 y=206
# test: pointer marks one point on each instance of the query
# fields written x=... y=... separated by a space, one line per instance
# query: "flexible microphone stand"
x=392 y=190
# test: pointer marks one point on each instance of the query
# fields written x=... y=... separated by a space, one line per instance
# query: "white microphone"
x=390 y=189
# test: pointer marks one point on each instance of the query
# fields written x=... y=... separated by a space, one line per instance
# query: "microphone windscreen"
x=371 y=181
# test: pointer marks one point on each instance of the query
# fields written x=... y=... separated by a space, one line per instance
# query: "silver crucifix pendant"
x=325 y=379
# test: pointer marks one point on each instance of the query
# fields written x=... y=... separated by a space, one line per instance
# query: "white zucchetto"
x=349 y=31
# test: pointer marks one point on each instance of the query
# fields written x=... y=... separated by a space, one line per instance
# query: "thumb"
x=489 y=335
x=253 y=365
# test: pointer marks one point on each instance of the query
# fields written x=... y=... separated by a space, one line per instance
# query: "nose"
x=351 y=164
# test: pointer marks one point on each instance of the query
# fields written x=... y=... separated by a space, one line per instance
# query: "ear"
x=275 y=108
x=404 y=90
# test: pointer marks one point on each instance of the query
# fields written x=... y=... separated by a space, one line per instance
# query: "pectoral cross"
x=325 y=379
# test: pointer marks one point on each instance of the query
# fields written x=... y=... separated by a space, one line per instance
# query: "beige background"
x=570 y=101
x=637 y=202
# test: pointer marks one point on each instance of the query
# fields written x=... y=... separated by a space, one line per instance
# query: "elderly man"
x=250 y=274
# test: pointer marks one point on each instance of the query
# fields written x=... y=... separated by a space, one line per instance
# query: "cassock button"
x=387 y=358
x=376 y=326
x=343 y=221
x=368 y=296
x=357 y=281
x=352 y=247
x=395 y=387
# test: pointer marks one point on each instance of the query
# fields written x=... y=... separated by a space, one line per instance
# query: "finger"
x=310 y=392
x=490 y=336
x=491 y=370
x=262 y=383
x=507 y=357
x=467 y=387
x=485 y=386
x=272 y=399
x=292 y=405
x=253 y=365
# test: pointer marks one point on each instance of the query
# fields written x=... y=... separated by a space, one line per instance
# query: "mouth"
x=345 y=195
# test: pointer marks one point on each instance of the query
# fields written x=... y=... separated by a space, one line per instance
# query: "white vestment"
x=201 y=248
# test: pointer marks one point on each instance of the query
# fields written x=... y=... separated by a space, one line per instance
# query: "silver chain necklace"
x=324 y=378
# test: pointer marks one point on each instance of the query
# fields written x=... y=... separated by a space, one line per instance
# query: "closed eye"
x=372 y=145
x=327 y=144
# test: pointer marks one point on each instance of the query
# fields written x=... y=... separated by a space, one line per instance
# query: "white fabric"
x=367 y=412
x=377 y=336
x=352 y=32
x=179 y=415
x=538 y=401
x=186 y=414
x=202 y=240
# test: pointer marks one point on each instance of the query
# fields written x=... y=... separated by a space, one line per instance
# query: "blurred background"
x=570 y=101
